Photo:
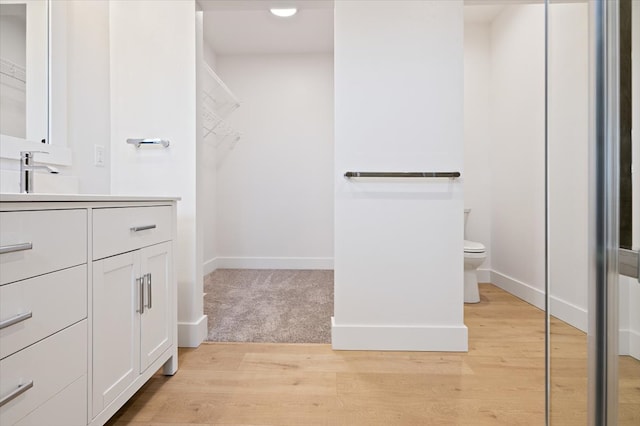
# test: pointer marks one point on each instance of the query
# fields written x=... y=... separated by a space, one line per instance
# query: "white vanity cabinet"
x=131 y=296
x=88 y=307
x=43 y=317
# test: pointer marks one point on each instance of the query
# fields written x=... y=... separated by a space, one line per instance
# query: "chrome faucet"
x=27 y=170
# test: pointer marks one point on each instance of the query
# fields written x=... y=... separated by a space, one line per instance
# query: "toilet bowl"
x=474 y=256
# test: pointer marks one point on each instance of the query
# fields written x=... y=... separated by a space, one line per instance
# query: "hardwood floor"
x=569 y=380
x=500 y=381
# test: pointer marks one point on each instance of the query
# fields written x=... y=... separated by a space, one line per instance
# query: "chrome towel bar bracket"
x=450 y=175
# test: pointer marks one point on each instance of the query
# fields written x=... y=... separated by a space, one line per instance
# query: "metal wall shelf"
x=218 y=102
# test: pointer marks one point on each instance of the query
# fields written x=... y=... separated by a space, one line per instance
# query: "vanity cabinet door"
x=155 y=321
x=115 y=327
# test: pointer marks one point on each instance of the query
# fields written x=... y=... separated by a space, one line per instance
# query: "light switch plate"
x=98 y=156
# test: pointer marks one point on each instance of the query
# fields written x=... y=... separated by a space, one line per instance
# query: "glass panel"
x=629 y=291
x=568 y=101
x=568 y=178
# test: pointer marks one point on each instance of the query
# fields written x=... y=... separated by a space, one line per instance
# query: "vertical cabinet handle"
x=140 y=284
x=16 y=393
x=149 y=290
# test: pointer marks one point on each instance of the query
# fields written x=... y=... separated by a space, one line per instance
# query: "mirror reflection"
x=629 y=288
x=13 y=76
x=568 y=100
x=568 y=210
x=24 y=100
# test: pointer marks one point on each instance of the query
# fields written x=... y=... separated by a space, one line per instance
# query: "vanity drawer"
x=50 y=365
x=41 y=306
x=118 y=230
x=67 y=408
x=37 y=242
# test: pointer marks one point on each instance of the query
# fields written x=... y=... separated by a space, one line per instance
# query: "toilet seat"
x=473 y=247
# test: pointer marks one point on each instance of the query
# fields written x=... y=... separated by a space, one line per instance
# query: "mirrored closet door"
x=593 y=293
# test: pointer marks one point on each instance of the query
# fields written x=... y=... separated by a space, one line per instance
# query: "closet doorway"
x=267 y=180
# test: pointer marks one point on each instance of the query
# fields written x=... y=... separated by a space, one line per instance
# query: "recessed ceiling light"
x=283 y=12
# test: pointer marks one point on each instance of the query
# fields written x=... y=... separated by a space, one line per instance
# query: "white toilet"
x=474 y=255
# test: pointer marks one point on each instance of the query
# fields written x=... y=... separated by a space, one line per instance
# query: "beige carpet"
x=276 y=306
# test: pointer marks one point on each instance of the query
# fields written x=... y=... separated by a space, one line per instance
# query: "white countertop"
x=43 y=198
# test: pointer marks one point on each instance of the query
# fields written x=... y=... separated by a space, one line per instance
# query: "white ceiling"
x=234 y=27
x=247 y=27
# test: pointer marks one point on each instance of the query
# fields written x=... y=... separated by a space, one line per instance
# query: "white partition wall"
x=399 y=243
x=153 y=95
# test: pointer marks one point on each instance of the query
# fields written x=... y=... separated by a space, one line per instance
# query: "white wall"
x=399 y=107
x=629 y=338
x=517 y=151
x=275 y=186
x=80 y=112
x=153 y=94
x=568 y=161
x=209 y=174
x=477 y=138
x=88 y=97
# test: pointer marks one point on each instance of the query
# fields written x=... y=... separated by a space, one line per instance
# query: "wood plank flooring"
x=500 y=381
x=569 y=372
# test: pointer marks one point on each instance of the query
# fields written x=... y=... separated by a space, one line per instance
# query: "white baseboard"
x=629 y=343
x=399 y=338
x=561 y=309
x=569 y=313
x=209 y=266
x=274 y=262
x=519 y=289
x=191 y=334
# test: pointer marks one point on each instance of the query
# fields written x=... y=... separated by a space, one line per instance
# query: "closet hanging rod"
x=451 y=175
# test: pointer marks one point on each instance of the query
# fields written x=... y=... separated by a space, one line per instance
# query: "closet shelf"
x=218 y=102
x=217 y=95
x=217 y=126
x=12 y=70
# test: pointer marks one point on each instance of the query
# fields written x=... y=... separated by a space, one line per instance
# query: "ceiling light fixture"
x=284 y=12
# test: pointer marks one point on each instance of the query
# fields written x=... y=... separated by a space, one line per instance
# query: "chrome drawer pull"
x=15 y=247
x=14 y=320
x=142 y=228
x=16 y=393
